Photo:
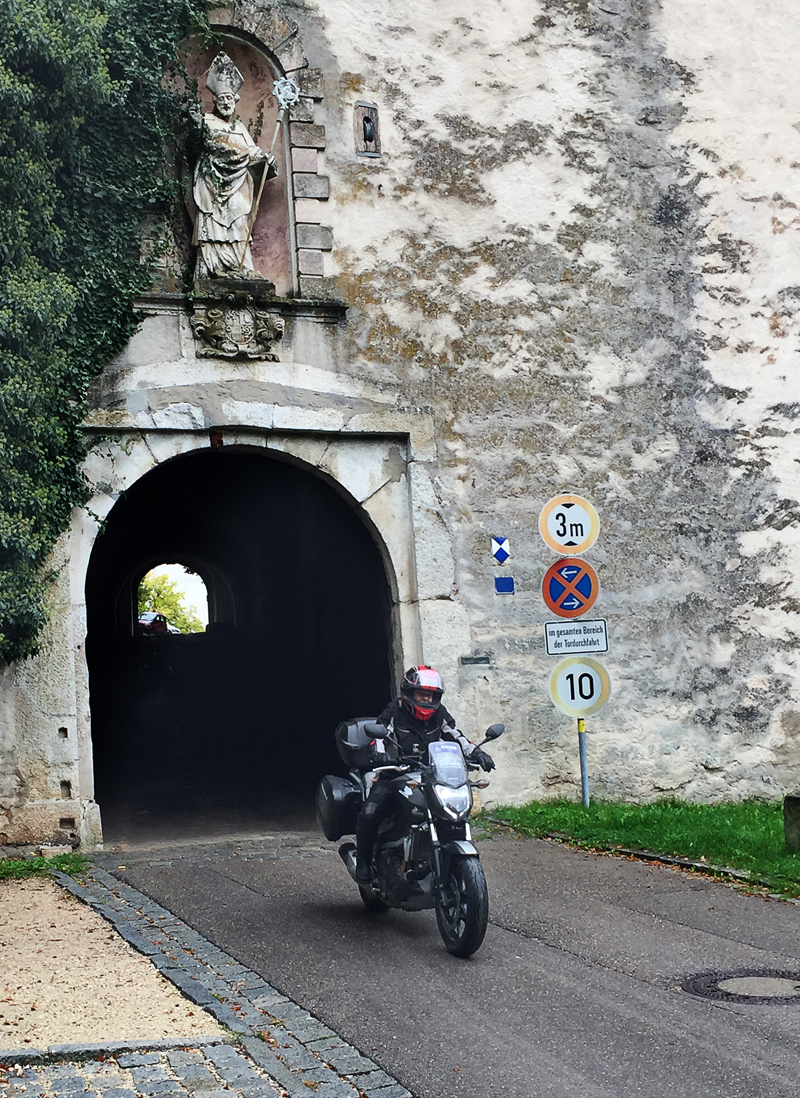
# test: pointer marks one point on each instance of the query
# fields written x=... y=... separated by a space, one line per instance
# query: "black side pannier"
x=337 y=804
x=353 y=743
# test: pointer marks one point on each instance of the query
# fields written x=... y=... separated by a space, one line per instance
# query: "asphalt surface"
x=576 y=990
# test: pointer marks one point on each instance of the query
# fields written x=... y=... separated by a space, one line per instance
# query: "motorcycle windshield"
x=448 y=764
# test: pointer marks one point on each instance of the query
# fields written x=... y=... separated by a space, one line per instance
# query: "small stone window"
x=367 y=133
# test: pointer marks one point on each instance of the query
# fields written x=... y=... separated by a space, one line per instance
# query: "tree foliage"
x=160 y=594
x=84 y=118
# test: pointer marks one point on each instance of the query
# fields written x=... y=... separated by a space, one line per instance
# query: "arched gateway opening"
x=241 y=716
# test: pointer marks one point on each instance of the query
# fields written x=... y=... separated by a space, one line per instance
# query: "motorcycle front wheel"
x=462 y=912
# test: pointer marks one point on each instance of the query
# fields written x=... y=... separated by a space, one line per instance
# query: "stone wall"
x=571 y=268
x=576 y=249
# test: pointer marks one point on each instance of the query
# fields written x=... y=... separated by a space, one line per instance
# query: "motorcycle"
x=424 y=856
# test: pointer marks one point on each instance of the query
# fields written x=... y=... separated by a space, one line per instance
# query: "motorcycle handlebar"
x=415 y=765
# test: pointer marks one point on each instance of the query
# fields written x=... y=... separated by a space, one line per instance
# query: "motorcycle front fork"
x=441 y=859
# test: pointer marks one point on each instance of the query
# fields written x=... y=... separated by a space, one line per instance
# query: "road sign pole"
x=582 y=753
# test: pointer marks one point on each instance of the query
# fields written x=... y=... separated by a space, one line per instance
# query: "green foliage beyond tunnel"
x=84 y=119
x=159 y=594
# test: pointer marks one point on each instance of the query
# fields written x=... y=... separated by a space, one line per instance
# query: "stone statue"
x=223 y=186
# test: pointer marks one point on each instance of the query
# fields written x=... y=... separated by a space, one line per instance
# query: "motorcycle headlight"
x=455 y=802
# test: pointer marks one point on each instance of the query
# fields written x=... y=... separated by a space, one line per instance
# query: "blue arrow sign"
x=570 y=587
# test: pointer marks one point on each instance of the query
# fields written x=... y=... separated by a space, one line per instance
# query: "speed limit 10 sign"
x=579 y=686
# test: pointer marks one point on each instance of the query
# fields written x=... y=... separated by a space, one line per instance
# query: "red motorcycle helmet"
x=421 y=678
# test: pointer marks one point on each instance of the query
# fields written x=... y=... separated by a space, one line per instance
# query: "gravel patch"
x=67 y=977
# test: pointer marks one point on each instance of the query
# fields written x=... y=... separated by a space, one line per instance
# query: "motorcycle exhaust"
x=347 y=852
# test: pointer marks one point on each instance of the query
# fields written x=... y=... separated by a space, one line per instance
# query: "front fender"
x=460 y=846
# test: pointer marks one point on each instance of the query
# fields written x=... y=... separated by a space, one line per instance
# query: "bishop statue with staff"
x=223 y=189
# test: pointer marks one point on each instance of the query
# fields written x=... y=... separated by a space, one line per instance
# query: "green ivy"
x=86 y=123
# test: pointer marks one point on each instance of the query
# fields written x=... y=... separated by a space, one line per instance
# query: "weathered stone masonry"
x=572 y=267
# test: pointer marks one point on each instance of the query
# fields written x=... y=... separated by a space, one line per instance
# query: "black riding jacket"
x=408 y=731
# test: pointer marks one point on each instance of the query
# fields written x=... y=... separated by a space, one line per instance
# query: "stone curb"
x=662 y=859
x=112 y=1048
x=294 y=1048
x=740 y=875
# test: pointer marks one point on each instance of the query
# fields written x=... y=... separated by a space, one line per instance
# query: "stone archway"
x=243 y=714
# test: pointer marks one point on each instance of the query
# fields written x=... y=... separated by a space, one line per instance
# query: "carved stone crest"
x=236 y=322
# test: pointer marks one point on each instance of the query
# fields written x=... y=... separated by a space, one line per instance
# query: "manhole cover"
x=765 y=986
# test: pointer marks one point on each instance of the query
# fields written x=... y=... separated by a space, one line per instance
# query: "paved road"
x=576 y=990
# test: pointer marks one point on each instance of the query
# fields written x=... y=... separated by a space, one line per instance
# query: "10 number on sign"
x=585 y=686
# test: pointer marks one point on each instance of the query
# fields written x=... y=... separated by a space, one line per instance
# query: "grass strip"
x=747 y=835
x=15 y=868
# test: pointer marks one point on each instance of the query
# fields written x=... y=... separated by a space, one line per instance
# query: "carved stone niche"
x=237 y=320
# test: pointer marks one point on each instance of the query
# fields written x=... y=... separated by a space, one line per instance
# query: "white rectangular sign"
x=567 y=638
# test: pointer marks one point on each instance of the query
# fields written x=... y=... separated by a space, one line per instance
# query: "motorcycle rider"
x=414 y=720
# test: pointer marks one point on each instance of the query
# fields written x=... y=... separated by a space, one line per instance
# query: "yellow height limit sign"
x=569 y=525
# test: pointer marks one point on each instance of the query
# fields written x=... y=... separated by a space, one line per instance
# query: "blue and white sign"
x=500 y=550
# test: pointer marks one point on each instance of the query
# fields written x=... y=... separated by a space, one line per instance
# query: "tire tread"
x=477 y=904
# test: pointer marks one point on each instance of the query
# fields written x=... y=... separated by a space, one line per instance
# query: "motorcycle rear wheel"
x=372 y=902
x=463 y=914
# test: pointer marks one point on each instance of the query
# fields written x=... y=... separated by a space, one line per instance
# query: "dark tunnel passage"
x=240 y=716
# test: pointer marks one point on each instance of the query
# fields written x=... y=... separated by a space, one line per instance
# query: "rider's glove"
x=380 y=758
x=486 y=762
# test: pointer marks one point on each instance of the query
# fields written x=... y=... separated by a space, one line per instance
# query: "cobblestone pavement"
x=279 y=846
x=206 y=1072
x=275 y=1046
